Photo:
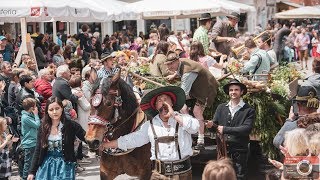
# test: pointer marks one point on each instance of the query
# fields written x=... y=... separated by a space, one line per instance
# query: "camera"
x=301 y=167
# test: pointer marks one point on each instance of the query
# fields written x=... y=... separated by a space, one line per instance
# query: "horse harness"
x=169 y=168
x=111 y=128
x=97 y=98
x=96 y=101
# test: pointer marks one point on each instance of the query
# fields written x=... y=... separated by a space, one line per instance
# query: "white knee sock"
x=200 y=138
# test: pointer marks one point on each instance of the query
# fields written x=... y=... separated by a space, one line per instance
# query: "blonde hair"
x=2 y=120
x=121 y=53
x=134 y=53
x=219 y=170
x=312 y=129
x=296 y=142
x=30 y=62
x=314 y=144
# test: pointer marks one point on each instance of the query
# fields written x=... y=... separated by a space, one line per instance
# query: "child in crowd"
x=30 y=123
x=219 y=170
x=68 y=109
x=6 y=141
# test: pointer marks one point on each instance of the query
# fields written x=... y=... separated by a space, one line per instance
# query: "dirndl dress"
x=54 y=167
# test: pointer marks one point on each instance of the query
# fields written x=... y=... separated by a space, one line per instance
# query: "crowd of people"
x=46 y=96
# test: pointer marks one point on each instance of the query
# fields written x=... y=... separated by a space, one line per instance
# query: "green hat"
x=148 y=102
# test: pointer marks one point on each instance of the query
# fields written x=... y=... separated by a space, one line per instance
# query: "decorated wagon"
x=270 y=98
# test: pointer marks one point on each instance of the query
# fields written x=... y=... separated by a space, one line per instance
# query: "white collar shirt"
x=236 y=108
x=167 y=151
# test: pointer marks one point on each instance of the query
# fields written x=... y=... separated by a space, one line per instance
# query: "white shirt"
x=273 y=56
x=236 y=108
x=167 y=151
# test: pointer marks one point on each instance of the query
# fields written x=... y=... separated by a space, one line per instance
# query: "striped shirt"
x=103 y=72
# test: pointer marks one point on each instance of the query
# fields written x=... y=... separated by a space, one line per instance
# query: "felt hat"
x=205 y=16
x=234 y=82
x=171 y=56
x=107 y=56
x=307 y=94
x=148 y=101
x=234 y=15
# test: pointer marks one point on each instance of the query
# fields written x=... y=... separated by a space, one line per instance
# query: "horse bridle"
x=110 y=128
x=97 y=98
x=98 y=120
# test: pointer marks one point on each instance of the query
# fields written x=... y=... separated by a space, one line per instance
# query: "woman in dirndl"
x=54 y=157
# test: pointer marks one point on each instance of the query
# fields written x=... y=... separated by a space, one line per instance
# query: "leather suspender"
x=176 y=140
x=156 y=143
x=258 y=64
x=165 y=139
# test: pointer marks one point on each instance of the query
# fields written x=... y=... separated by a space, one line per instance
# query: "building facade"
x=265 y=10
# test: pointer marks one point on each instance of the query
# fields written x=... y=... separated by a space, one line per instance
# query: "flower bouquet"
x=234 y=66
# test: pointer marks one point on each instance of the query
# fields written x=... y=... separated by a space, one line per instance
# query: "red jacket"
x=44 y=88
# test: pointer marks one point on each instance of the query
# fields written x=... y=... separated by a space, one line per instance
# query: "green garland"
x=266 y=124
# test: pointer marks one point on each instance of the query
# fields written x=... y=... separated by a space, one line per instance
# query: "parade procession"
x=159 y=90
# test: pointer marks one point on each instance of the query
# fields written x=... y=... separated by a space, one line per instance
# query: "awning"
x=305 y=12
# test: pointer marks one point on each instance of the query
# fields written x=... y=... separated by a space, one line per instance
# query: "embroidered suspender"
x=165 y=139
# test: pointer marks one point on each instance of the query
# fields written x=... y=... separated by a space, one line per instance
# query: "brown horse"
x=113 y=114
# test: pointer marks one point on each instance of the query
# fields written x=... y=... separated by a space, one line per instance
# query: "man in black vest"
x=234 y=121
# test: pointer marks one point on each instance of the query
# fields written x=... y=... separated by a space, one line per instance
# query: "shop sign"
x=35 y=11
x=7 y=12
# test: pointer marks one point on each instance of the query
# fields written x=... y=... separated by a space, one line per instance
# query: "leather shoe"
x=199 y=146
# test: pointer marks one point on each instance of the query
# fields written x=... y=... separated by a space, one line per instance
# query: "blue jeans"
x=28 y=155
